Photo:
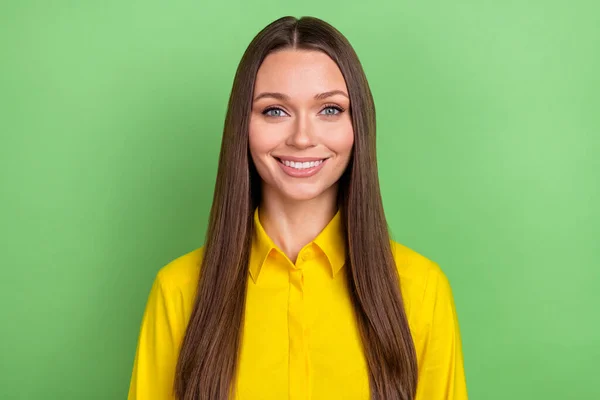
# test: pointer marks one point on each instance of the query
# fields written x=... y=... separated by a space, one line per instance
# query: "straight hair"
x=208 y=357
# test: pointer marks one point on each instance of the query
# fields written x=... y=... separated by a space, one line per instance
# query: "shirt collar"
x=330 y=241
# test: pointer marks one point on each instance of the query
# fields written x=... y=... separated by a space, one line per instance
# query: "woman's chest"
x=300 y=339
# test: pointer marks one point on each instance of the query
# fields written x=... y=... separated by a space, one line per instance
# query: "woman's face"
x=301 y=132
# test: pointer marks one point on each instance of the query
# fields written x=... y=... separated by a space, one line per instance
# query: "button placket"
x=298 y=358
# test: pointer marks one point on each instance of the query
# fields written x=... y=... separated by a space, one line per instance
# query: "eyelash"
x=334 y=106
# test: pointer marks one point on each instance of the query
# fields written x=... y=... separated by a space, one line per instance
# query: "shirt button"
x=307 y=254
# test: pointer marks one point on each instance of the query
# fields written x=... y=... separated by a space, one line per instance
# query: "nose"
x=302 y=135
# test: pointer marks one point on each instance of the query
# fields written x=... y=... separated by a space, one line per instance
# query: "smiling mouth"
x=300 y=165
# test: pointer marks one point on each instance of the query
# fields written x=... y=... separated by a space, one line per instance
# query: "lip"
x=301 y=173
x=300 y=159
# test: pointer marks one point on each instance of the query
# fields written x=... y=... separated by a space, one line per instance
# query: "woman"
x=298 y=292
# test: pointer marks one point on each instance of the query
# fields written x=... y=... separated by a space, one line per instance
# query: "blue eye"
x=274 y=112
x=331 y=110
x=278 y=112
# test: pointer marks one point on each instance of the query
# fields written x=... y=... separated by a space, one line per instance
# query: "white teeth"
x=302 y=165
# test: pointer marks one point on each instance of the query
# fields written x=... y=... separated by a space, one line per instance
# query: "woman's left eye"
x=331 y=110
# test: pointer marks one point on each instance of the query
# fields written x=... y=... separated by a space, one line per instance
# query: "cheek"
x=341 y=140
x=262 y=138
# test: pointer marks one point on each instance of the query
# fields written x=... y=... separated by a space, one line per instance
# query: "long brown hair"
x=207 y=364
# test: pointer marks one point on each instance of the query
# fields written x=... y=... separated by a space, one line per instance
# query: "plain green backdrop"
x=488 y=146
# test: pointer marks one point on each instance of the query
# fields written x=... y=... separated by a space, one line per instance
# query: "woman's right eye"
x=274 y=112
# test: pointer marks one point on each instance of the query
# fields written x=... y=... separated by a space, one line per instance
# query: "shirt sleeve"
x=441 y=369
x=157 y=349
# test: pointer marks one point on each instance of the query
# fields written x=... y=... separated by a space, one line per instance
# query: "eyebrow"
x=283 y=97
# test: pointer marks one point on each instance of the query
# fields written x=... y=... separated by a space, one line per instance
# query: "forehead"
x=296 y=72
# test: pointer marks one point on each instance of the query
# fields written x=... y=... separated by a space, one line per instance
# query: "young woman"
x=299 y=293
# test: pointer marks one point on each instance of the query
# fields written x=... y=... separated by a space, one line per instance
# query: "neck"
x=292 y=224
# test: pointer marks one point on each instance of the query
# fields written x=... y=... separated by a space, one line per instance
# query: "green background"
x=488 y=142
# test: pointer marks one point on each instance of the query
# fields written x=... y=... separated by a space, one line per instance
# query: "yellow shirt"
x=300 y=338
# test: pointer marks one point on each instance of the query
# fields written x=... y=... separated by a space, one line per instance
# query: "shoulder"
x=174 y=290
x=421 y=279
x=413 y=267
x=181 y=272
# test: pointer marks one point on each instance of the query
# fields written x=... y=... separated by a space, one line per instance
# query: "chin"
x=300 y=193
